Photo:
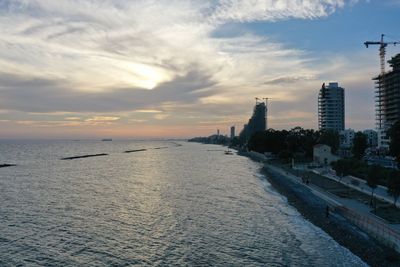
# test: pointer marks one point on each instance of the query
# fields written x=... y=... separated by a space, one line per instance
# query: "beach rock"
x=343 y=231
x=84 y=156
x=7 y=165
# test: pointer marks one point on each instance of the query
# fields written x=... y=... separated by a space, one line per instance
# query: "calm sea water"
x=180 y=205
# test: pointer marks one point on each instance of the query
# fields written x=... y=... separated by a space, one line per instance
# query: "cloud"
x=148 y=111
x=273 y=10
x=69 y=122
x=289 y=79
x=42 y=124
x=117 y=47
x=102 y=119
x=158 y=57
x=161 y=116
x=73 y=118
x=44 y=96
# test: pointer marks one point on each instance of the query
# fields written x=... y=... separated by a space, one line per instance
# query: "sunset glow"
x=157 y=64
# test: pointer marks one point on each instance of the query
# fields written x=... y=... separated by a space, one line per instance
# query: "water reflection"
x=177 y=206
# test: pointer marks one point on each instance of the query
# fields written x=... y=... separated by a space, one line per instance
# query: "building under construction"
x=387 y=100
x=258 y=121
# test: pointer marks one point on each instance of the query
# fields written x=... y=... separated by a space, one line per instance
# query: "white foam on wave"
x=309 y=233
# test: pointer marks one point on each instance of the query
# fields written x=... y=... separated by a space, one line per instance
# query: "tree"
x=359 y=145
x=394 y=146
x=268 y=141
x=394 y=185
x=310 y=139
x=330 y=138
x=285 y=156
x=372 y=178
x=301 y=141
x=342 y=167
x=236 y=142
x=293 y=140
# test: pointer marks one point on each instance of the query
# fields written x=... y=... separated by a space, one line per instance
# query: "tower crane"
x=266 y=100
x=381 y=96
x=382 y=50
x=258 y=100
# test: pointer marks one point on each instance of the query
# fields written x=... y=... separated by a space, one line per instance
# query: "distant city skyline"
x=164 y=69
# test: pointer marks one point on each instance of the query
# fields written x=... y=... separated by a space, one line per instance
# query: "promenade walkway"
x=358 y=184
x=354 y=209
x=329 y=197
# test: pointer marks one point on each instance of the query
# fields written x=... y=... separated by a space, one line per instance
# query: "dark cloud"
x=41 y=95
x=288 y=79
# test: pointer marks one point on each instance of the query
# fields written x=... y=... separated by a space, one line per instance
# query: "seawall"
x=313 y=208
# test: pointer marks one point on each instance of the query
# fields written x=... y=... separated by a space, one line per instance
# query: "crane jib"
x=382 y=49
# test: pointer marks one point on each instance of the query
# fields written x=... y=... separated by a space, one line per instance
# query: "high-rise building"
x=387 y=103
x=258 y=121
x=331 y=107
x=232 y=132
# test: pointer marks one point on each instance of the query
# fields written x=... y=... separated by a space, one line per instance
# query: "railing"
x=372 y=226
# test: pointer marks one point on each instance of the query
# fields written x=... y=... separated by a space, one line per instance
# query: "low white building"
x=322 y=155
x=372 y=138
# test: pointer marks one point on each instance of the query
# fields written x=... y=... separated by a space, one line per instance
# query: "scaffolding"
x=387 y=100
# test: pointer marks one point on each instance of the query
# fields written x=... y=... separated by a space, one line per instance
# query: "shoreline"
x=313 y=209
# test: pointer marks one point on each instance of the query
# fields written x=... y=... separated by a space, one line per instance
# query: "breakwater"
x=85 y=156
x=135 y=150
x=182 y=206
x=7 y=165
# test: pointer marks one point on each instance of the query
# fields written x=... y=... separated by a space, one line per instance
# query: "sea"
x=173 y=204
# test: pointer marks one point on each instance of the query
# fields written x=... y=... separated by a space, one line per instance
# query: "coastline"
x=313 y=209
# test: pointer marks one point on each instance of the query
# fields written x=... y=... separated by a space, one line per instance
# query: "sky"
x=183 y=68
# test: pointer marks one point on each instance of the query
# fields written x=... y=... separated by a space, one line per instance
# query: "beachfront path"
x=380 y=192
x=334 y=200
